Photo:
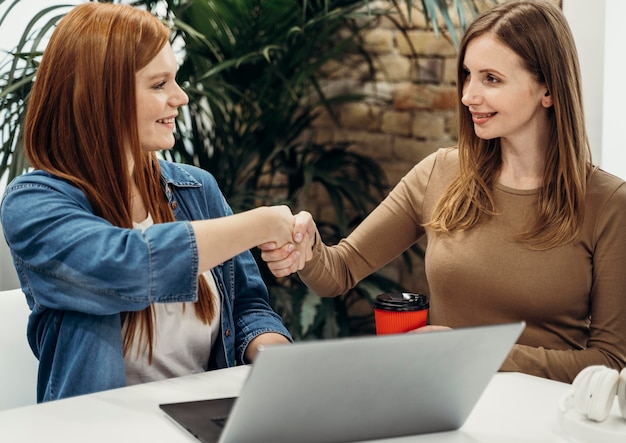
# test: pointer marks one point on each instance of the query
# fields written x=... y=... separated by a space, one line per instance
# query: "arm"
x=243 y=231
x=606 y=343
x=387 y=232
x=68 y=255
x=60 y=245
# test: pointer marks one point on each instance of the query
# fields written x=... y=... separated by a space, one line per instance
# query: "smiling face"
x=158 y=100
x=503 y=97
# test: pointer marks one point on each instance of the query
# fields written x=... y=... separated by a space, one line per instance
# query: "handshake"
x=293 y=247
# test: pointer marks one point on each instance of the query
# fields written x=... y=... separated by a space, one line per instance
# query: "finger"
x=277 y=254
x=305 y=218
x=303 y=224
x=270 y=246
x=274 y=256
x=283 y=268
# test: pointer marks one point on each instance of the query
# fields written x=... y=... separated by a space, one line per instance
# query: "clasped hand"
x=292 y=256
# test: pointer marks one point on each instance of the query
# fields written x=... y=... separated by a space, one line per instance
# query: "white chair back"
x=18 y=365
x=8 y=276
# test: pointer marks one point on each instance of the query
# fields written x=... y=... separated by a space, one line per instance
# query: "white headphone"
x=593 y=392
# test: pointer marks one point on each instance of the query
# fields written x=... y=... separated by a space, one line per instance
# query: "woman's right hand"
x=220 y=239
x=280 y=222
x=292 y=256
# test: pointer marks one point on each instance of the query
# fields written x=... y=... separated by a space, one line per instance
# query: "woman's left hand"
x=268 y=338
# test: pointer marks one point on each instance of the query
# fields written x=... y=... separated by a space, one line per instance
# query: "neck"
x=138 y=207
x=522 y=171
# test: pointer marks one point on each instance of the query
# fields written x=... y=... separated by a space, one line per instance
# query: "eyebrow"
x=486 y=70
x=160 y=75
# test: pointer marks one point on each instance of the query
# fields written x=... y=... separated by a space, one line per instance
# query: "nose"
x=180 y=97
x=471 y=95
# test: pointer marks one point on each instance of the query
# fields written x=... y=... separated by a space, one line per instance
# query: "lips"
x=482 y=117
x=485 y=115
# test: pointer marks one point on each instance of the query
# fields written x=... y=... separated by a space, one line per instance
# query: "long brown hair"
x=81 y=121
x=539 y=34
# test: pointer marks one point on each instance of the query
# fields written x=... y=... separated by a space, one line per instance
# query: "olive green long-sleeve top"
x=572 y=297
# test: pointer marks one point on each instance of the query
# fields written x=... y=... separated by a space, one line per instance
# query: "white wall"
x=613 y=115
x=600 y=33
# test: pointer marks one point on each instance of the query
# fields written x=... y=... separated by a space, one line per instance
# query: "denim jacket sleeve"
x=75 y=260
x=252 y=311
x=79 y=272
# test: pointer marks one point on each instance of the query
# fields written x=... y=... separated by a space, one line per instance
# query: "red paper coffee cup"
x=396 y=313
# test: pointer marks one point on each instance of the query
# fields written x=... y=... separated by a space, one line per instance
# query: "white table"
x=514 y=408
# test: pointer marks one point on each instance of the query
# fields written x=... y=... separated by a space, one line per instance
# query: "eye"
x=491 y=79
x=159 y=85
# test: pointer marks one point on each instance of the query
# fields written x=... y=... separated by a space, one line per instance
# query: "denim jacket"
x=79 y=272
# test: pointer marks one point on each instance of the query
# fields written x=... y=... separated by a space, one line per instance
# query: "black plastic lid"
x=401 y=301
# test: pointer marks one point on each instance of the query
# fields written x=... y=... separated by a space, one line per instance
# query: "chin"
x=153 y=147
x=485 y=136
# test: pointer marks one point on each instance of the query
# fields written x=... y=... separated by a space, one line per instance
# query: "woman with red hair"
x=135 y=268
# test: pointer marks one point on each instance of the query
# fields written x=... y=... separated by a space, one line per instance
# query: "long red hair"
x=81 y=121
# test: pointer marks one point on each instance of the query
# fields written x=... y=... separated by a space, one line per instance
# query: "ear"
x=546 y=100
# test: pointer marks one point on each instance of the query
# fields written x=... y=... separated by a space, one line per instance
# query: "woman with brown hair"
x=519 y=223
x=135 y=269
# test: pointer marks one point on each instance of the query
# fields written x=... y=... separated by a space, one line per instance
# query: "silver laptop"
x=355 y=389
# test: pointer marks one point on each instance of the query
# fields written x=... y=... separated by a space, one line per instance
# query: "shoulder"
x=605 y=201
x=36 y=178
x=43 y=182
x=423 y=185
x=447 y=159
x=197 y=187
x=443 y=159
x=438 y=167
x=36 y=195
x=184 y=175
x=449 y=156
x=605 y=187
